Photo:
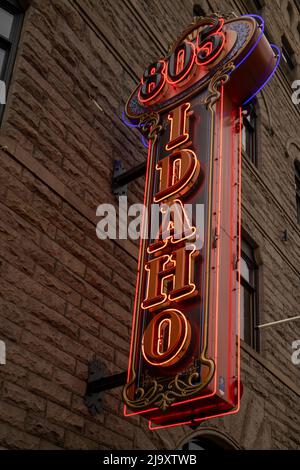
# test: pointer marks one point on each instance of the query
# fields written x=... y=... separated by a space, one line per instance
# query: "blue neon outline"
x=128 y=123
x=134 y=126
x=270 y=76
x=144 y=142
x=262 y=26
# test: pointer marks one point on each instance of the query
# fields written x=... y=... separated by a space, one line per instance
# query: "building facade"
x=66 y=296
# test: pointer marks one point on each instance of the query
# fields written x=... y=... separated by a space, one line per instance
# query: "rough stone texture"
x=65 y=295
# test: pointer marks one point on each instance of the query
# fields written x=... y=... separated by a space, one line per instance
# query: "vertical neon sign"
x=184 y=357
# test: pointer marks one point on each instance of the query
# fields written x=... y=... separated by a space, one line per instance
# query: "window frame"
x=10 y=45
x=252 y=286
x=250 y=126
x=208 y=439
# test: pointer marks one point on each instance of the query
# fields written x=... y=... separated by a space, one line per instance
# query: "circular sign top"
x=200 y=52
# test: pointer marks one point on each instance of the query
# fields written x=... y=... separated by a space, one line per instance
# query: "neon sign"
x=184 y=358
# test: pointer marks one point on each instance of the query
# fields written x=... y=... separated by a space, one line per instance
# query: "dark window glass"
x=297 y=181
x=6 y=22
x=249 y=286
x=10 y=26
x=2 y=60
x=249 y=134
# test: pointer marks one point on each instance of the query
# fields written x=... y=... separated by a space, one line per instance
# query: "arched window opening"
x=209 y=439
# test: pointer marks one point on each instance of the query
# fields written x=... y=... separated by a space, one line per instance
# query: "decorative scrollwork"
x=163 y=396
x=150 y=126
x=220 y=78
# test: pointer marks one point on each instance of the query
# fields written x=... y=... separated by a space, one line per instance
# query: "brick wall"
x=67 y=296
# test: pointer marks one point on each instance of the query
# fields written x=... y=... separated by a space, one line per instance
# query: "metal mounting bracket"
x=97 y=383
x=122 y=178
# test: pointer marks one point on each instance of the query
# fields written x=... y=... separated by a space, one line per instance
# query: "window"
x=249 y=134
x=10 y=26
x=248 y=311
x=287 y=53
x=297 y=181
